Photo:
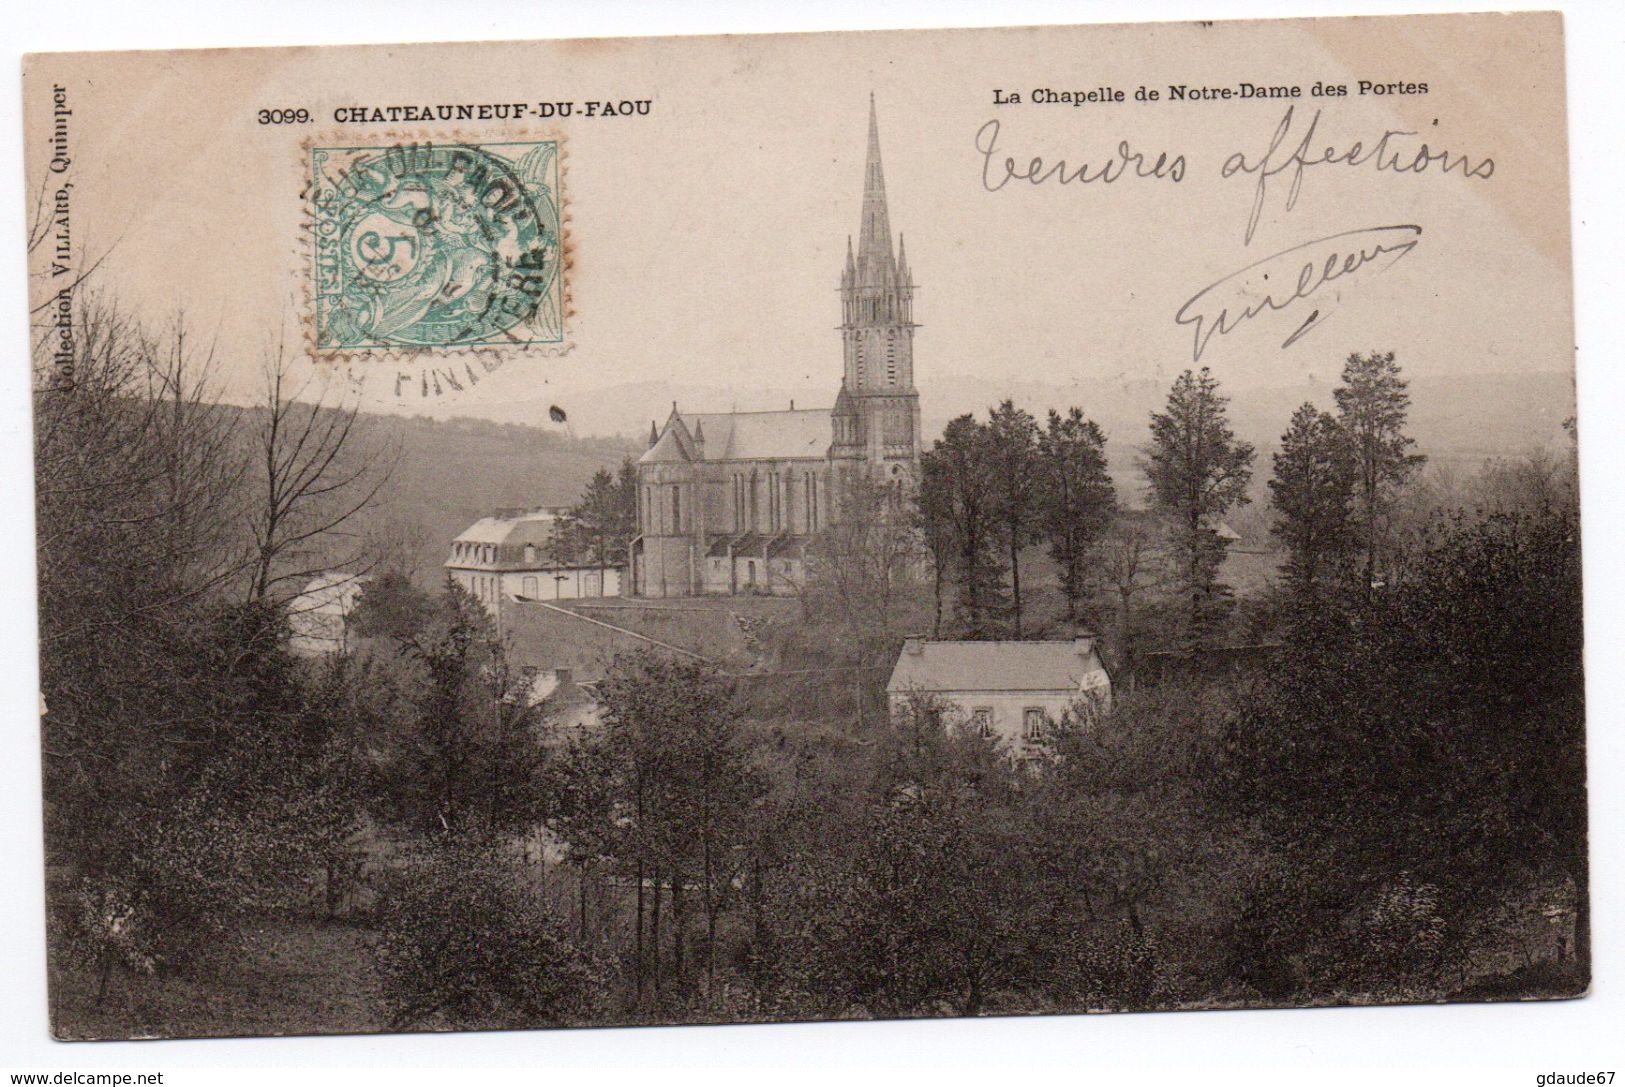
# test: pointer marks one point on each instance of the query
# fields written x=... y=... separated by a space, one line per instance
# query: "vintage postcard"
x=833 y=526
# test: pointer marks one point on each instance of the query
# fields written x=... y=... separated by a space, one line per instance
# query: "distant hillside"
x=1482 y=415
x=450 y=473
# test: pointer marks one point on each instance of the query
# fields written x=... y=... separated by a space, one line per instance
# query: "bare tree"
x=312 y=475
x=862 y=570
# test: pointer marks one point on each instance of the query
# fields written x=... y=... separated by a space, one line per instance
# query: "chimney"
x=914 y=645
x=1084 y=644
x=563 y=678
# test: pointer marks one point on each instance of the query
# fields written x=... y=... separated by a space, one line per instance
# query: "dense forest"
x=399 y=836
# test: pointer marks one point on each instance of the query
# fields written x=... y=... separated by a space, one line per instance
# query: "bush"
x=465 y=941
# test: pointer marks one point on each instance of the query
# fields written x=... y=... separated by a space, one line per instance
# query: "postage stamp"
x=428 y=247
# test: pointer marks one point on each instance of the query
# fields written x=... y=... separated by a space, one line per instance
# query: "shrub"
x=465 y=940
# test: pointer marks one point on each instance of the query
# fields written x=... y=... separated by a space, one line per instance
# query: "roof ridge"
x=762 y=411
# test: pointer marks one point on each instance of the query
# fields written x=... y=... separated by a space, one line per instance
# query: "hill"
x=1469 y=417
x=447 y=474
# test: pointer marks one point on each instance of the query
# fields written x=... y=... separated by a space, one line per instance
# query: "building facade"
x=507 y=556
x=319 y=617
x=729 y=501
x=1010 y=692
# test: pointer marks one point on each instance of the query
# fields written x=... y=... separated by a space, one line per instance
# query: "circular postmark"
x=420 y=246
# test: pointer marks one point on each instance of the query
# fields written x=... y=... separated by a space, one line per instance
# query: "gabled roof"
x=674 y=444
x=995 y=666
x=743 y=435
x=843 y=403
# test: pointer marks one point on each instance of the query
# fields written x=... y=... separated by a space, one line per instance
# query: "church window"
x=676 y=507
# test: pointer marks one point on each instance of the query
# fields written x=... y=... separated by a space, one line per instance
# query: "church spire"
x=874 y=238
x=877 y=297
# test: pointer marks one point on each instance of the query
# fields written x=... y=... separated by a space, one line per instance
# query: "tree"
x=1131 y=562
x=166 y=700
x=1428 y=760
x=1078 y=498
x=860 y=570
x=1312 y=488
x=682 y=791
x=390 y=606
x=601 y=525
x=1017 y=489
x=933 y=898
x=310 y=479
x=961 y=495
x=465 y=941
x=460 y=756
x=1198 y=470
x=1371 y=406
x=934 y=522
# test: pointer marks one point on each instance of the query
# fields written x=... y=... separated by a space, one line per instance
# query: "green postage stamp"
x=426 y=247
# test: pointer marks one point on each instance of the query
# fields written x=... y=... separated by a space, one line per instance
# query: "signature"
x=1276 y=282
x=1387 y=154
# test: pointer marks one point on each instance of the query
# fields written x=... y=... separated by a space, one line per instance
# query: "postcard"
x=827 y=526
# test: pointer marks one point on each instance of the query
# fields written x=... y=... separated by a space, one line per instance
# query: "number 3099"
x=298 y=116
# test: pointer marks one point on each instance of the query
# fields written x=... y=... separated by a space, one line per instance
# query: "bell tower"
x=877 y=415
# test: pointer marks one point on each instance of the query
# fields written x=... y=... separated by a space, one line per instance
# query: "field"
x=292 y=976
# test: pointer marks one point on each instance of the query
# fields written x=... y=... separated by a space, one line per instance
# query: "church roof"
x=745 y=435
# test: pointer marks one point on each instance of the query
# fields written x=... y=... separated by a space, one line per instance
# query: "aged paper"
x=812 y=526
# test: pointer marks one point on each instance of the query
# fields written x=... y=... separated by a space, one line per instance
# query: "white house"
x=507 y=555
x=319 y=617
x=1006 y=690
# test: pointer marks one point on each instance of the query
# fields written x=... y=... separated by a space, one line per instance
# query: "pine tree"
x=1312 y=489
x=1198 y=470
x=1371 y=405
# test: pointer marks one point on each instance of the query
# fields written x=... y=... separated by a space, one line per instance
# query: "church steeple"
x=874 y=237
x=877 y=331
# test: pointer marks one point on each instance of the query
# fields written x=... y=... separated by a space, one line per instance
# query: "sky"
x=706 y=238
